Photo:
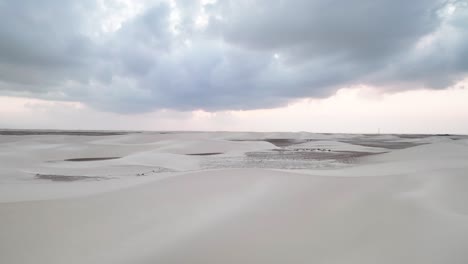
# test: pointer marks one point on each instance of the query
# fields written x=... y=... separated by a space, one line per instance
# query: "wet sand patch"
x=66 y=178
x=286 y=159
x=205 y=154
x=92 y=159
x=382 y=144
x=412 y=136
x=285 y=142
x=341 y=156
x=279 y=142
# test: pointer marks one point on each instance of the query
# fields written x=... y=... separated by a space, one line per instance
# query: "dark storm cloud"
x=440 y=63
x=252 y=54
x=357 y=29
x=41 y=36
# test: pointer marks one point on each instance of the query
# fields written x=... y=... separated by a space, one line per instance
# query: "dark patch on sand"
x=341 y=156
x=279 y=142
x=286 y=159
x=382 y=144
x=205 y=154
x=412 y=136
x=285 y=142
x=92 y=159
x=65 y=178
x=366 y=142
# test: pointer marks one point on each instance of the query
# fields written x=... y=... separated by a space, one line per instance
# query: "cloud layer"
x=119 y=56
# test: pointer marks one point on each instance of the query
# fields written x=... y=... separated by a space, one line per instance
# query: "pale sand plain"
x=221 y=197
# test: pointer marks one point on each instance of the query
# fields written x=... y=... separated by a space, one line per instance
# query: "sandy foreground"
x=219 y=197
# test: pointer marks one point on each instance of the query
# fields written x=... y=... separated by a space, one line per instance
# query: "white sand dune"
x=404 y=206
x=214 y=146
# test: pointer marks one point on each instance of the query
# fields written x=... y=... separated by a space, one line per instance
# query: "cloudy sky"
x=315 y=65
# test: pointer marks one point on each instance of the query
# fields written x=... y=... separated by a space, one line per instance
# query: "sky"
x=356 y=66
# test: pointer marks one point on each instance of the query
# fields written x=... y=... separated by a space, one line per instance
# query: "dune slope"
x=387 y=208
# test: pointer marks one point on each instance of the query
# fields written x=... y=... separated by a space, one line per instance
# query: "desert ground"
x=240 y=197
